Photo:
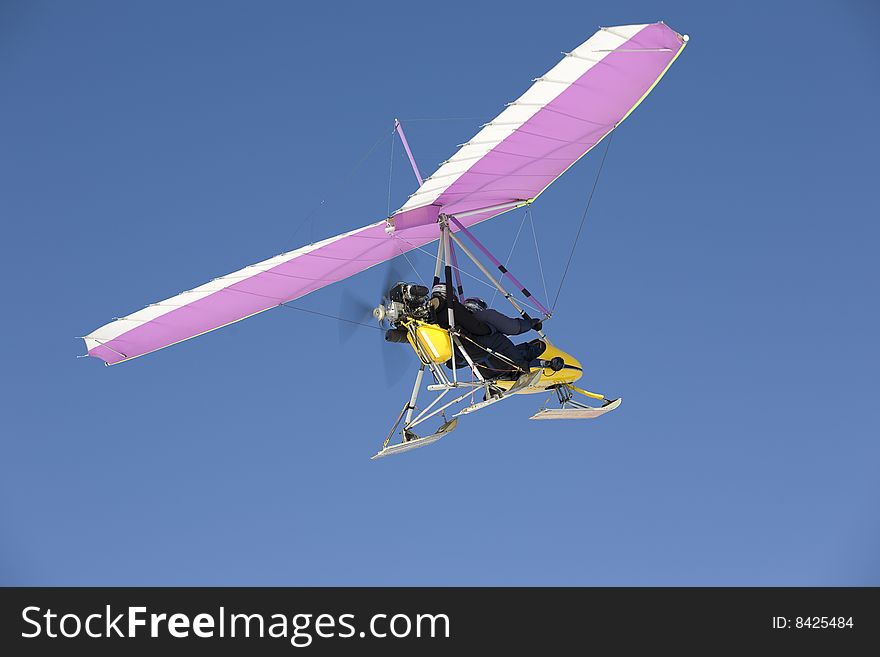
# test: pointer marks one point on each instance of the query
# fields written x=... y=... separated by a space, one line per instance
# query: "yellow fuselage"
x=571 y=371
x=431 y=344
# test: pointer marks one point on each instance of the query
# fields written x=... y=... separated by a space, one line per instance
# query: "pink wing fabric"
x=510 y=161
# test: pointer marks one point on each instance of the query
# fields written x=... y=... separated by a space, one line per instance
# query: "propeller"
x=392 y=277
x=395 y=359
x=353 y=308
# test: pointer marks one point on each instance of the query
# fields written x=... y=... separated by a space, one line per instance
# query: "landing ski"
x=576 y=412
x=416 y=442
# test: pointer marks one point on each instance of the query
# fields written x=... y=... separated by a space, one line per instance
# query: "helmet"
x=439 y=290
x=475 y=304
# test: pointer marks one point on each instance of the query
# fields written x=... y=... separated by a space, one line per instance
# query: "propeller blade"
x=396 y=360
x=355 y=309
x=397 y=357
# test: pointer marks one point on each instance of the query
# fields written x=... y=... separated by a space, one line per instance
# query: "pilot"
x=464 y=318
x=502 y=324
x=489 y=330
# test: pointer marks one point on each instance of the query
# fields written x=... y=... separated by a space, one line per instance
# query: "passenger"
x=502 y=324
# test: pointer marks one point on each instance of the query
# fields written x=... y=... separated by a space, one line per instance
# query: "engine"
x=404 y=301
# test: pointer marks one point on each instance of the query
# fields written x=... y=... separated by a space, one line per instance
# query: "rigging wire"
x=286 y=304
x=583 y=219
x=538 y=252
x=382 y=138
x=311 y=215
x=510 y=254
x=340 y=319
x=417 y=273
x=467 y=273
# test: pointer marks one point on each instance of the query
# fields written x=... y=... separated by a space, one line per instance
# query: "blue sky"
x=725 y=286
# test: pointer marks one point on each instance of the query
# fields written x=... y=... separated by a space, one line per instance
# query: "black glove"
x=537 y=325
